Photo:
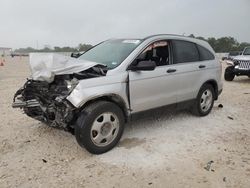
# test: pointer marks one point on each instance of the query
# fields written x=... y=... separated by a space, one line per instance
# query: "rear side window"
x=184 y=51
x=205 y=54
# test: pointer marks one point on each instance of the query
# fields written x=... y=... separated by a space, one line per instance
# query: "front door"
x=150 y=89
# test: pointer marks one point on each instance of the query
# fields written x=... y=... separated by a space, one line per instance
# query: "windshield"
x=111 y=53
x=246 y=51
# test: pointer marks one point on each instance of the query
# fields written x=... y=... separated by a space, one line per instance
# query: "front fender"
x=94 y=88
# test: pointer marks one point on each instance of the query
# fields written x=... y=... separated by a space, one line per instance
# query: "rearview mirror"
x=144 y=66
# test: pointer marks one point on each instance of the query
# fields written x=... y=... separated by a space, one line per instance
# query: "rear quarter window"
x=205 y=54
x=184 y=51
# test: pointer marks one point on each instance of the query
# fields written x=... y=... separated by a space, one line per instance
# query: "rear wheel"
x=229 y=74
x=100 y=127
x=204 y=101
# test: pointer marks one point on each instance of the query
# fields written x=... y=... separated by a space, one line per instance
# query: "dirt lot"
x=157 y=150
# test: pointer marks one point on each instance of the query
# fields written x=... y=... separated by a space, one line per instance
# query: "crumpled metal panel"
x=108 y=85
x=44 y=66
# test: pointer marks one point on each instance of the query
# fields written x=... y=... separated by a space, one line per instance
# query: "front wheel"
x=229 y=74
x=204 y=101
x=100 y=127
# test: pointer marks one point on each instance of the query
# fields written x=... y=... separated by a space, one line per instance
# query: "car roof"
x=179 y=37
x=159 y=35
x=173 y=36
x=152 y=38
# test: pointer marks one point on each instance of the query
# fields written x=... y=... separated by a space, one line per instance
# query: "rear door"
x=191 y=63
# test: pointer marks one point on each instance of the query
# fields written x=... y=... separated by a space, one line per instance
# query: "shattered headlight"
x=71 y=84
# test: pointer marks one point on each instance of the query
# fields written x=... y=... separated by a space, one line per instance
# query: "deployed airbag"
x=44 y=66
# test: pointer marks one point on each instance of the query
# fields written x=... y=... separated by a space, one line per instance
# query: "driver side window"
x=157 y=52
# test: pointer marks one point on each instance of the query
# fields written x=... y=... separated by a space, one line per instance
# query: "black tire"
x=84 y=124
x=197 y=109
x=229 y=74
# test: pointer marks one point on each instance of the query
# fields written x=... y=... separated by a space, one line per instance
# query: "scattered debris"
x=2 y=176
x=208 y=167
x=129 y=143
x=45 y=161
x=229 y=117
x=1 y=63
x=90 y=166
x=220 y=106
x=224 y=179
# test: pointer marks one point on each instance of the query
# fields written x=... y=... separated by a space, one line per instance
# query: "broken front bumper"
x=58 y=114
x=25 y=104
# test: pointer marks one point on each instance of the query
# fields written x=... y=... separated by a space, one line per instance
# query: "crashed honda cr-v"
x=97 y=93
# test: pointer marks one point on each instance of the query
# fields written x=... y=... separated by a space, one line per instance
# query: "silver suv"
x=96 y=94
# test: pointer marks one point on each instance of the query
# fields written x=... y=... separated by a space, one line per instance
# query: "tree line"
x=224 y=44
x=79 y=48
x=220 y=45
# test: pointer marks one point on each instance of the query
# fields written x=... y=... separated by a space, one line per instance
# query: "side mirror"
x=75 y=54
x=144 y=66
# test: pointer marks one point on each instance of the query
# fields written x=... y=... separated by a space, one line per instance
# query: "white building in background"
x=5 y=51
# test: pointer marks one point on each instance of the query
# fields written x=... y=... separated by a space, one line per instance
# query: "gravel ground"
x=160 y=149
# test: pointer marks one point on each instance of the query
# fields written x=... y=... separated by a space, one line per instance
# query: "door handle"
x=202 y=66
x=171 y=70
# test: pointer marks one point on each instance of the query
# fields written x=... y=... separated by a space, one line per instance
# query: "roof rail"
x=150 y=36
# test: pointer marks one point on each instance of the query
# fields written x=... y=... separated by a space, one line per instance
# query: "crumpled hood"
x=44 y=66
x=242 y=57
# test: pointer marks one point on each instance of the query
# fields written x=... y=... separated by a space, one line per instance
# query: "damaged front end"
x=46 y=101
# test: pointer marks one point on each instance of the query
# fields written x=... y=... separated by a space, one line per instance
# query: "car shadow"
x=156 y=116
x=149 y=119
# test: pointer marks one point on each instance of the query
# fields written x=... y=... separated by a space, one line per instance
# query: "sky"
x=37 y=23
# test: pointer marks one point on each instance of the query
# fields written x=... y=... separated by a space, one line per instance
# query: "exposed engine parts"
x=47 y=102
